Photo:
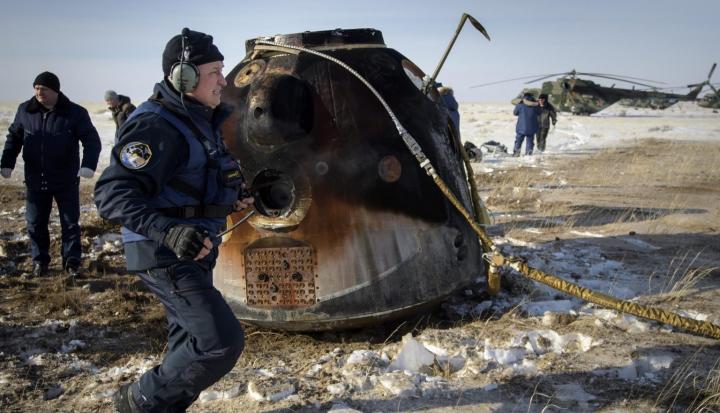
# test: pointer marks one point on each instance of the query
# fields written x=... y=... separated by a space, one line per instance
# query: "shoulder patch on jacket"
x=135 y=155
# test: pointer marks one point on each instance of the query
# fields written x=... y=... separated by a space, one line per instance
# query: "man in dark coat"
x=48 y=129
x=120 y=107
x=171 y=184
x=527 y=124
x=547 y=115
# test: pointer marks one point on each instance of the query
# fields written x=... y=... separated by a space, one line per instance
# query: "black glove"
x=186 y=241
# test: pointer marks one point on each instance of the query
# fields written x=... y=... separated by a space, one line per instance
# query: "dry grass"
x=557 y=196
x=656 y=162
x=690 y=390
x=682 y=276
x=54 y=296
x=709 y=394
x=690 y=280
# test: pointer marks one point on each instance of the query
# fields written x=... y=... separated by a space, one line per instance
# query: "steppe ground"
x=638 y=217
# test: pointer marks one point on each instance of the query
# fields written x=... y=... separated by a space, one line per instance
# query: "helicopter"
x=579 y=96
x=347 y=230
x=660 y=100
x=710 y=100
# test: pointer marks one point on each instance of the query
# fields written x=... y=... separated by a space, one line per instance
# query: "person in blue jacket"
x=48 y=129
x=448 y=100
x=171 y=183
x=527 y=124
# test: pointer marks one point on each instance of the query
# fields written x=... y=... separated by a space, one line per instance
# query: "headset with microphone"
x=184 y=75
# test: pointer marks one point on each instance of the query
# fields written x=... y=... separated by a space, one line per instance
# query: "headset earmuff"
x=184 y=75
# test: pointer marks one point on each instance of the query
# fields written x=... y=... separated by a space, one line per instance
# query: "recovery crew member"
x=171 y=183
x=48 y=129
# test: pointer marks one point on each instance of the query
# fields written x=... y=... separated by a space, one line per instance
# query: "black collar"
x=62 y=105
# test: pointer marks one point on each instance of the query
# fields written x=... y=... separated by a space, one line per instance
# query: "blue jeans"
x=38 y=205
x=529 y=144
x=204 y=338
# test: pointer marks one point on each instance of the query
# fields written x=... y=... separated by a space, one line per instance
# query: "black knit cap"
x=49 y=80
x=201 y=48
x=543 y=96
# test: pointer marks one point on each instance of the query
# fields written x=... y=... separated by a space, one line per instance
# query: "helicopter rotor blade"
x=547 y=76
x=574 y=74
x=717 y=95
x=712 y=69
x=504 y=81
x=625 y=80
x=620 y=76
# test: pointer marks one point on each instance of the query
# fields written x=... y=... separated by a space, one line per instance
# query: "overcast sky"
x=97 y=45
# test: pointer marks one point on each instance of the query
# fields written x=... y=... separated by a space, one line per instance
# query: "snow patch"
x=258 y=392
x=72 y=346
x=401 y=384
x=210 y=395
x=539 y=308
x=342 y=408
x=573 y=392
x=628 y=323
x=413 y=356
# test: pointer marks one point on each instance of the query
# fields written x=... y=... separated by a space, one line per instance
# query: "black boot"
x=123 y=400
x=72 y=268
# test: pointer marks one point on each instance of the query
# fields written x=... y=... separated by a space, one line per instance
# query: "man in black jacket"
x=120 y=107
x=48 y=129
x=547 y=115
x=171 y=183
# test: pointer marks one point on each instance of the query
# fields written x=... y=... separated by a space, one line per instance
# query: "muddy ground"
x=651 y=205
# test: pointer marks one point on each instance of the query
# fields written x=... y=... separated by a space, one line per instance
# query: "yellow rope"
x=651 y=313
x=487 y=242
x=482 y=218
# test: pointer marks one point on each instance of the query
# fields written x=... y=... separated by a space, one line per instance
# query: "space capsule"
x=350 y=230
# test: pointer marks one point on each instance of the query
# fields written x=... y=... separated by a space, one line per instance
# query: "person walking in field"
x=548 y=115
x=527 y=124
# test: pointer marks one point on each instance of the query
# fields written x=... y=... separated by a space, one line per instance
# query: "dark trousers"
x=204 y=338
x=37 y=213
x=528 y=144
x=541 y=138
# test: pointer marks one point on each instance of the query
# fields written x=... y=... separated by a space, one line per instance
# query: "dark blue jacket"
x=452 y=106
x=49 y=141
x=527 y=123
x=128 y=190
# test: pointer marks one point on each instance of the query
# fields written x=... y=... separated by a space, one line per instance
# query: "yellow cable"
x=651 y=313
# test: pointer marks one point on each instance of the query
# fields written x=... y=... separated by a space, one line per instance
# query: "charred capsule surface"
x=351 y=230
